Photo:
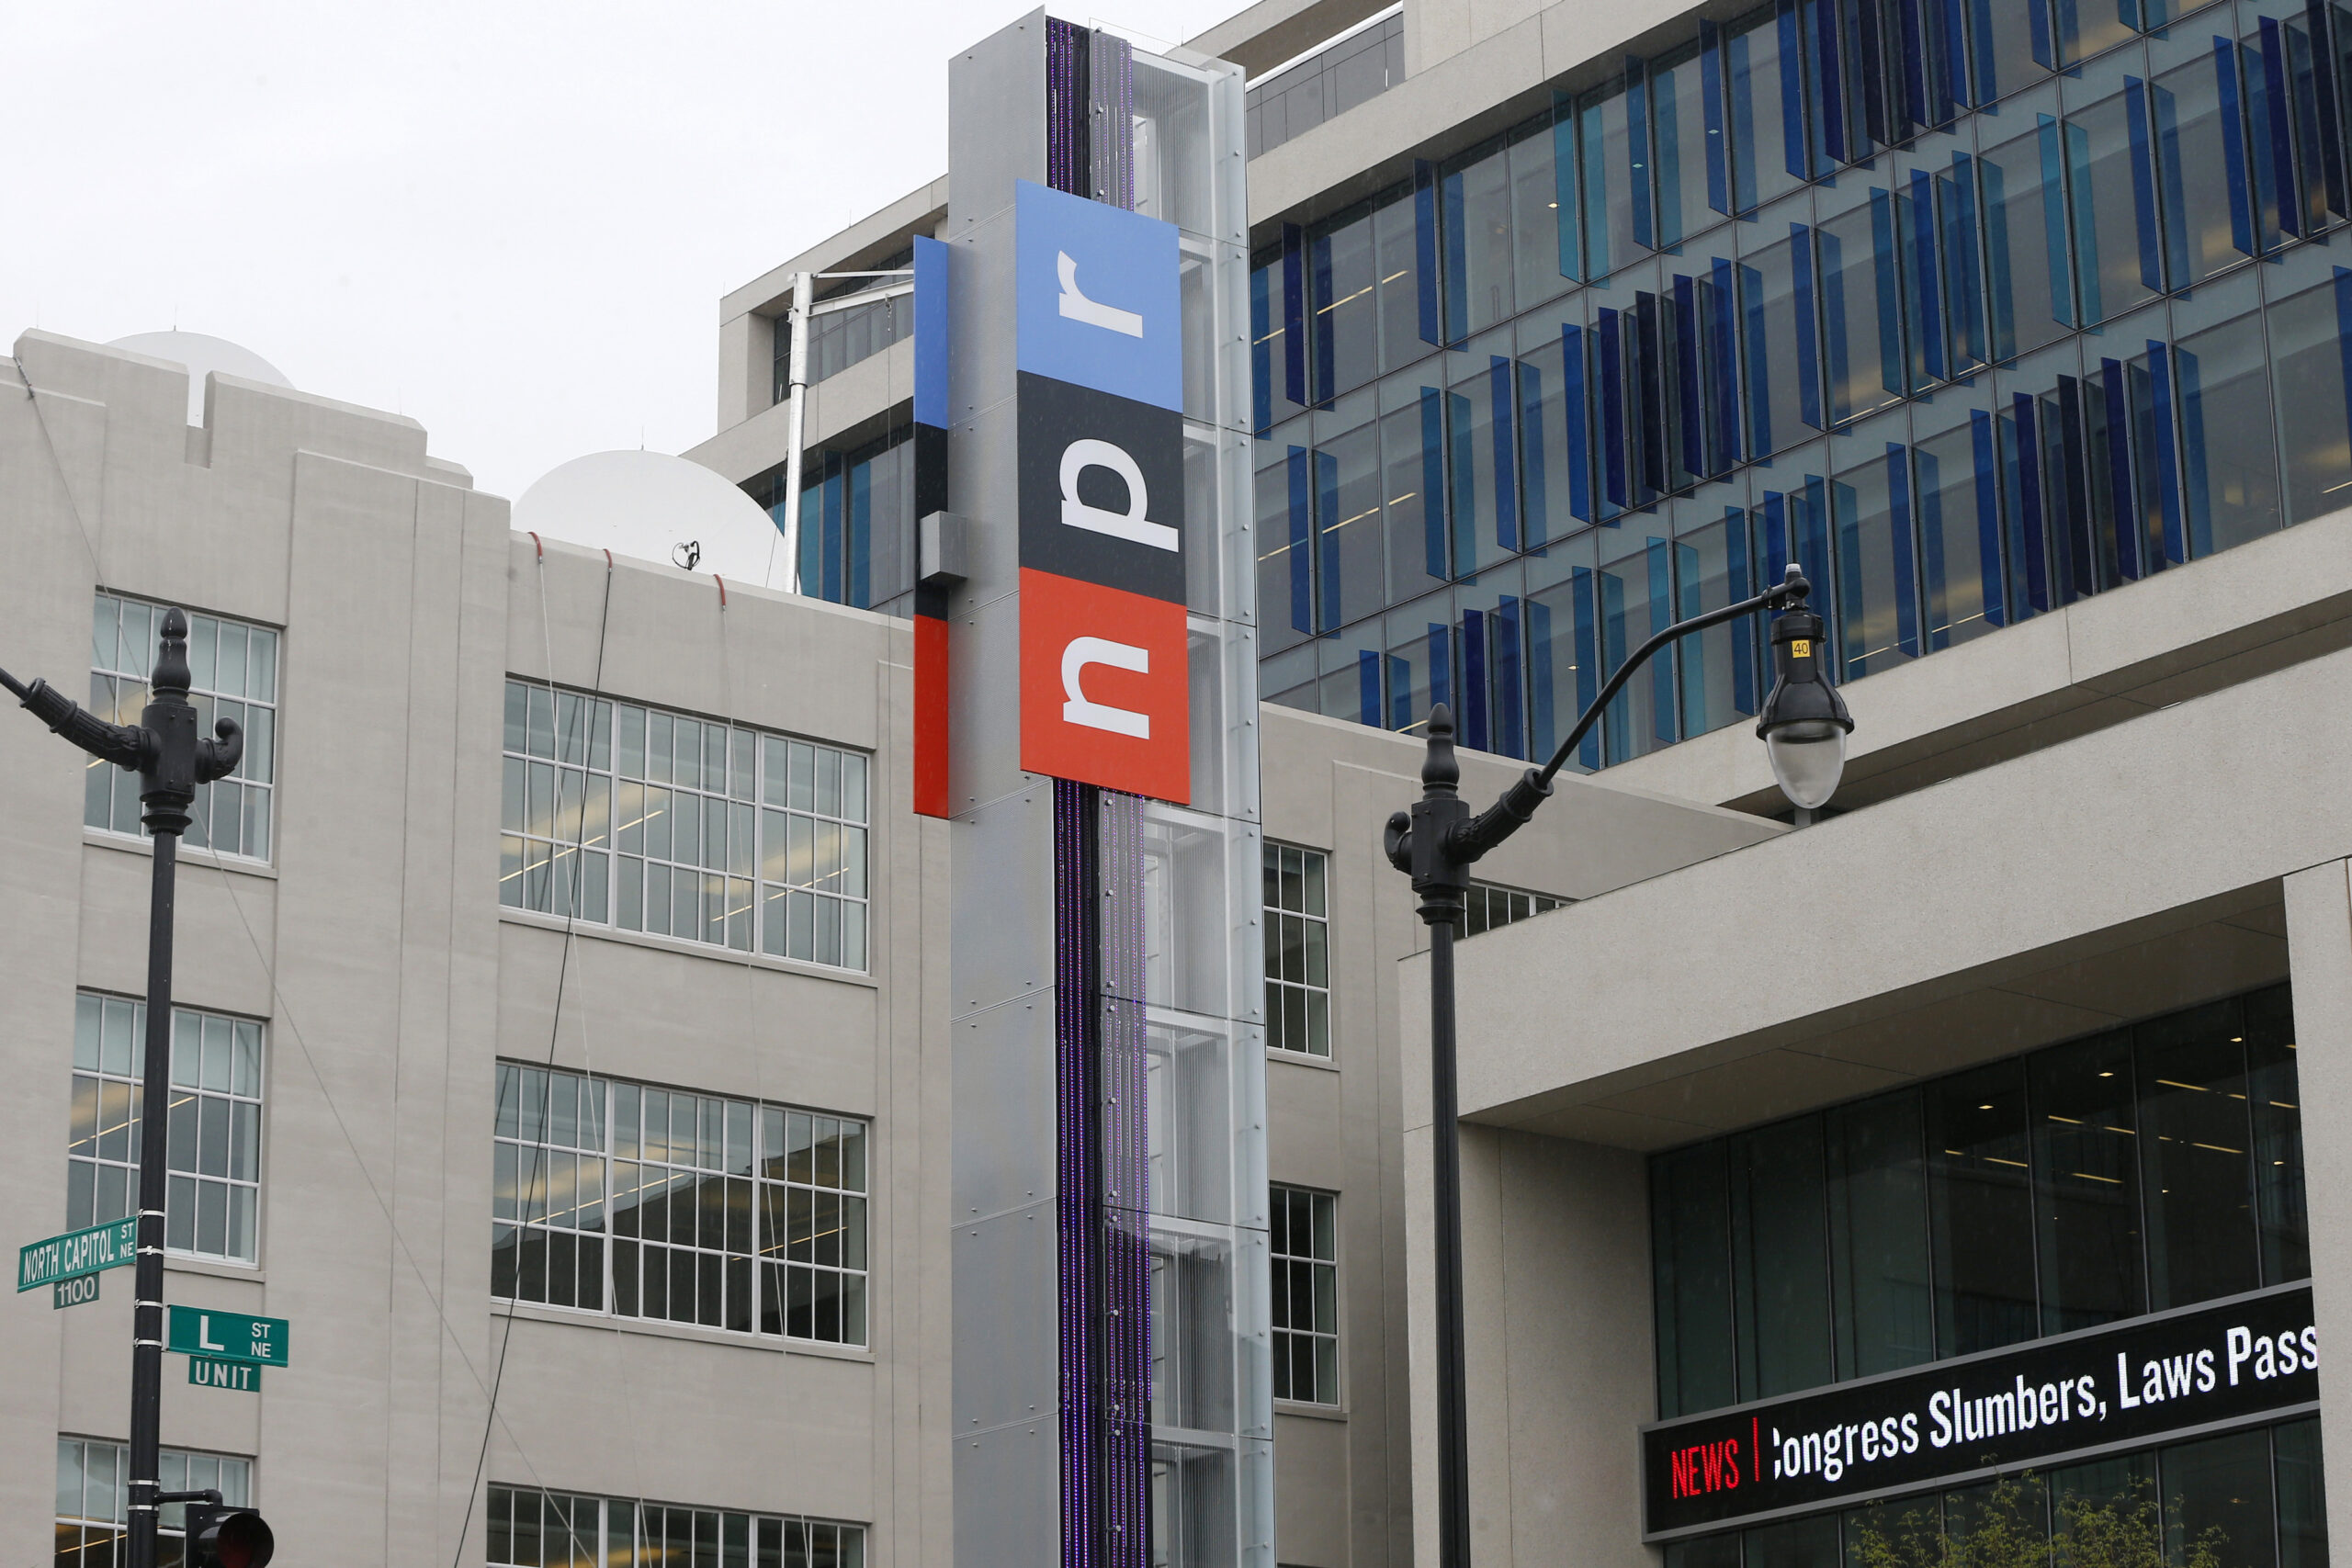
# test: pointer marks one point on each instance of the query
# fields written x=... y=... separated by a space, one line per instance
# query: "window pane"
x=2198 y=1162
x=2087 y=1184
x=1878 y=1227
x=1780 y=1258
x=1690 y=1249
x=1981 y=1210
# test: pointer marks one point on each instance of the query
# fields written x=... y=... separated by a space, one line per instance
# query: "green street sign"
x=229 y=1335
x=238 y=1377
x=77 y=1253
x=74 y=1291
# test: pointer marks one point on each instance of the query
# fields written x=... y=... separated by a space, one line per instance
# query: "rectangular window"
x=648 y=1203
x=532 y=1529
x=654 y=821
x=1491 y=907
x=93 y=1496
x=214 y=1139
x=1306 y=1247
x=233 y=673
x=1298 y=981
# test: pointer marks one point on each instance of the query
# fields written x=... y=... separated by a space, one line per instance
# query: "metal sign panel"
x=77 y=1253
x=2250 y=1357
x=230 y=1336
x=79 y=1290
x=1100 y=482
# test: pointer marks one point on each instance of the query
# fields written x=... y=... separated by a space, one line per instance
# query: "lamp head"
x=1804 y=723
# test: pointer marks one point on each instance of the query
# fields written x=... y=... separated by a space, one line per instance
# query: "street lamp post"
x=1804 y=724
x=171 y=760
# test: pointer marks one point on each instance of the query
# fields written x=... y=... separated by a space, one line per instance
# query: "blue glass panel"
x=2119 y=263
x=1952 y=461
x=1862 y=304
x=2230 y=475
x=1829 y=80
x=1420 y=661
x=1969 y=342
x=1425 y=250
x=2311 y=349
x=1636 y=601
x=1680 y=122
x=1765 y=117
x=1476 y=195
x=1718 y=666
x=2162 y=439
x=1399 y=282
x=1348 y=513
x=2200 y=172
x=1538 y=272
x=1413 y=488
x=1922 y=276
x=1948 y=91
x=1483 y=463
x=2011 y=45
x=1612 y=334
x=1719 y=301
x=1778 y=344
x=2031 y=297
x=1562 y=642
x=1616 y=204
x=1554 y=477
x=1489 y=620
x=1878 y=622
x=1568 y=205
x=1350 y=665
x=1711 y=88
x=1343 y=320
x=2084 y=28
x=1271 y=314
x=1294 y=313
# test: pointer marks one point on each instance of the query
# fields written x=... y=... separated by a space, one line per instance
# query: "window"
x=531 y=1529
x=92 y=1497
x=653 y=821
x=2132 y=1171
x=1491 y=907
x=233 y=673
x=648 y=1203
x=1298 y=983
x=1307 y=1295
x=214 y=1138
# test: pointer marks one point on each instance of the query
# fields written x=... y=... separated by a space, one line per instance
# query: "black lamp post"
x=171 y=759
x=1804 y=725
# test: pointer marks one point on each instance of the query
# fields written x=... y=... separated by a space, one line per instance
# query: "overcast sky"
x=510 y=221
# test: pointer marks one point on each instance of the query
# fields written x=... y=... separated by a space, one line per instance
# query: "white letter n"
x=1085 y=650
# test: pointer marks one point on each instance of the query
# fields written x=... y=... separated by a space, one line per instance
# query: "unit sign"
x=2250 y=1357
x=1105 y=698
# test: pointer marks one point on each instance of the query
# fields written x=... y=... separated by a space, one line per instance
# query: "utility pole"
x=171 y=760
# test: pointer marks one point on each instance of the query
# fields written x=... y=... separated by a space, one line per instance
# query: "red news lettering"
x=1705 y=1467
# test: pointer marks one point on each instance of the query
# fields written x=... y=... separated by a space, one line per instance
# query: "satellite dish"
x=654 y=507
x=202 y=355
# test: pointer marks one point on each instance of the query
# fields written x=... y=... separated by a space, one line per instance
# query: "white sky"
x=511 y=222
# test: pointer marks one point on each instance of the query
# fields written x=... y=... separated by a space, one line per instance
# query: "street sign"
x=211 y=1372
x=77 y=1253
x=74 y=1291
x=229 y=1335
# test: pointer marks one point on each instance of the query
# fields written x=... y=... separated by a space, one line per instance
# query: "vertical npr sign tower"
x=1085 y=354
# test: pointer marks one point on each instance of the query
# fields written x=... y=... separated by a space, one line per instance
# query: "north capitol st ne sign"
x=2219 y=1364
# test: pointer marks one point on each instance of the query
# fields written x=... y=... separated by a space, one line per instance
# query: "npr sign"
x=1105 y=698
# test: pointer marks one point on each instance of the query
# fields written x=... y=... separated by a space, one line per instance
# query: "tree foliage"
x=2012 y=1528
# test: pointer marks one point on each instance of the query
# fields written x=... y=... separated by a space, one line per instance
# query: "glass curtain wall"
x=1953 y=302
x=857 y=521
x=2144 y=1168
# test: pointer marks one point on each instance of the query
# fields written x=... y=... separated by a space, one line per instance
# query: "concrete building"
x=603 y=1174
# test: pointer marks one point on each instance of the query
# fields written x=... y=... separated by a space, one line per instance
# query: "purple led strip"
x=1100 y=1058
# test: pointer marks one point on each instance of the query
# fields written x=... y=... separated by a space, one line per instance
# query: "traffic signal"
x=224 y=1537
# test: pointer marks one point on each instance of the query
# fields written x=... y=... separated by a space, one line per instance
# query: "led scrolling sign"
x=2247 y=1358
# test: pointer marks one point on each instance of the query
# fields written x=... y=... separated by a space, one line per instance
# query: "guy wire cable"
x=555 y=1027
